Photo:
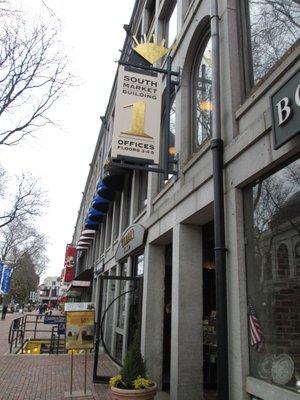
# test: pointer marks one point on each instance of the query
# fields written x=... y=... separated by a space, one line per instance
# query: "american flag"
x=255 y=329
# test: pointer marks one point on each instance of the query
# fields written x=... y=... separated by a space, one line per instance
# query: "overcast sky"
x=92 y=34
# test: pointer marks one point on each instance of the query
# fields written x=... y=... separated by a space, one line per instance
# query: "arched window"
x=201 y=94
x=283 y=261
x=172 y=149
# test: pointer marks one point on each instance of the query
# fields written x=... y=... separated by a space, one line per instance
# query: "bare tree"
x=27 y=202
x=24 y=279
x=32 y=77
x=20 y=239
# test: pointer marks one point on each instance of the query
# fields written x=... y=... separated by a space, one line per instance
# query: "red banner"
x=69 y=274
x=69 y=263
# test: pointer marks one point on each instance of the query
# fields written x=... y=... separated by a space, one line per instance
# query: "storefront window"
x=139 y=265
x=272 y=225
x=274 y=28
x=121 y=302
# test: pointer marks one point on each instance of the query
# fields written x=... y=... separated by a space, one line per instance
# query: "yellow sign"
x=80 y=329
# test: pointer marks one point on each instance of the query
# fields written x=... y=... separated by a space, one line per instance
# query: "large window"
x=172 y=132
x=274 y=27
x=272 y=224
x=201 y=94
x=142 y=181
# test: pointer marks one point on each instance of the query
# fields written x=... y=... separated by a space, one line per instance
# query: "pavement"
x=46 y=377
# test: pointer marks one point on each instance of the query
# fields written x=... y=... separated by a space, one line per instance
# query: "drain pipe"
x=219 y=223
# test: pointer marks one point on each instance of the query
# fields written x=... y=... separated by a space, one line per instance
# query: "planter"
x=143 y=394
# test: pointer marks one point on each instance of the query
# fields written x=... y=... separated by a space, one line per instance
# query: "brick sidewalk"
x=45 y=377
x=4 y=329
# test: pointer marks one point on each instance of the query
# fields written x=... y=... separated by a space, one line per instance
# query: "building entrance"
x=209 y=314
x=118 y=318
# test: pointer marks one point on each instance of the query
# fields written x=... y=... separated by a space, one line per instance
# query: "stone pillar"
x=186 y=339
x=153 y=311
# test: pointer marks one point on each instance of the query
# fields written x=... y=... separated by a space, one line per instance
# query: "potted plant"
x=133 y=382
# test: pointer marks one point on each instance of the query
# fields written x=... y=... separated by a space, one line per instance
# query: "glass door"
x=119 y=318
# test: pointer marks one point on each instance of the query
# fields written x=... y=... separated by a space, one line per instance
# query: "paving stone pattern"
x=45 y=377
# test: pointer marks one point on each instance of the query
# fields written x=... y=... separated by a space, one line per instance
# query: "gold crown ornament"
x=149 y=49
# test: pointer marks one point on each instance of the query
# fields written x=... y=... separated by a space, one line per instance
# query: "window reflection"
x=272 y=211
x=274 y=28
x=202 y=96
x=140 y=265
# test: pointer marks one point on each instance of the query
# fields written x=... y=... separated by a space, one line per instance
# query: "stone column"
x=153 y=311
x=186 y=339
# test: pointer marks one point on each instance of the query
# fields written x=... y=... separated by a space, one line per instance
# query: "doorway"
x=209 y=314
x=127 y=297
x=167 y=319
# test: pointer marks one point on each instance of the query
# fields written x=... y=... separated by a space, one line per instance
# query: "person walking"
x=4 y=311
x=41 y=309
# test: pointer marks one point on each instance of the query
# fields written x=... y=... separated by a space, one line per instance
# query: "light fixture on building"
x=172 y=151
x=208 y=264
x=205 y=105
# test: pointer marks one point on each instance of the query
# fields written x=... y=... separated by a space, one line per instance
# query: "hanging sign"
x=6 y=278
x=68 y=272
x=136 y=134
x=285 y=107
x=79 y=306
x=1 y=271
x=54 y=319
x=99 y=267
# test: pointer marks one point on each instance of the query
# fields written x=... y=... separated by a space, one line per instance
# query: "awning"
x=100 y=204
x=81 y=248
x=83 y=244
x=114 y=178
x=85 y=275
x=105 y=192
x=86 y=238
x=88 y=232
x=91 y=224
x=95 y=215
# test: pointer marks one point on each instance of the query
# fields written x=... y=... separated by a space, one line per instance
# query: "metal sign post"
x=78 y=393
x=79 y=335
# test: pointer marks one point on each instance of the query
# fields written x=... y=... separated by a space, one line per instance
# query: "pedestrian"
x=41 y=309
x=4 y=311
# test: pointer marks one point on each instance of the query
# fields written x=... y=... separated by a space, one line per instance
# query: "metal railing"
x=16 y=332
x=56 y=342
x=20 y=327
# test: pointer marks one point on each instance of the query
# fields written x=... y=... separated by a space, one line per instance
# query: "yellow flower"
x=115 y=381
x=142 y=383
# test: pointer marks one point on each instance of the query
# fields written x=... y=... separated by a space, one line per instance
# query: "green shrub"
x=133 y=374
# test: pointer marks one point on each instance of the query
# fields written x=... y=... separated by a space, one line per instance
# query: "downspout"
x=219 y=223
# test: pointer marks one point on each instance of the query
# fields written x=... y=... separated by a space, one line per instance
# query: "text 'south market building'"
x=151 y=225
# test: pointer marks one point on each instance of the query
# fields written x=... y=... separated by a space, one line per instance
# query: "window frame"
x=202 y=43
x=247 y=70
